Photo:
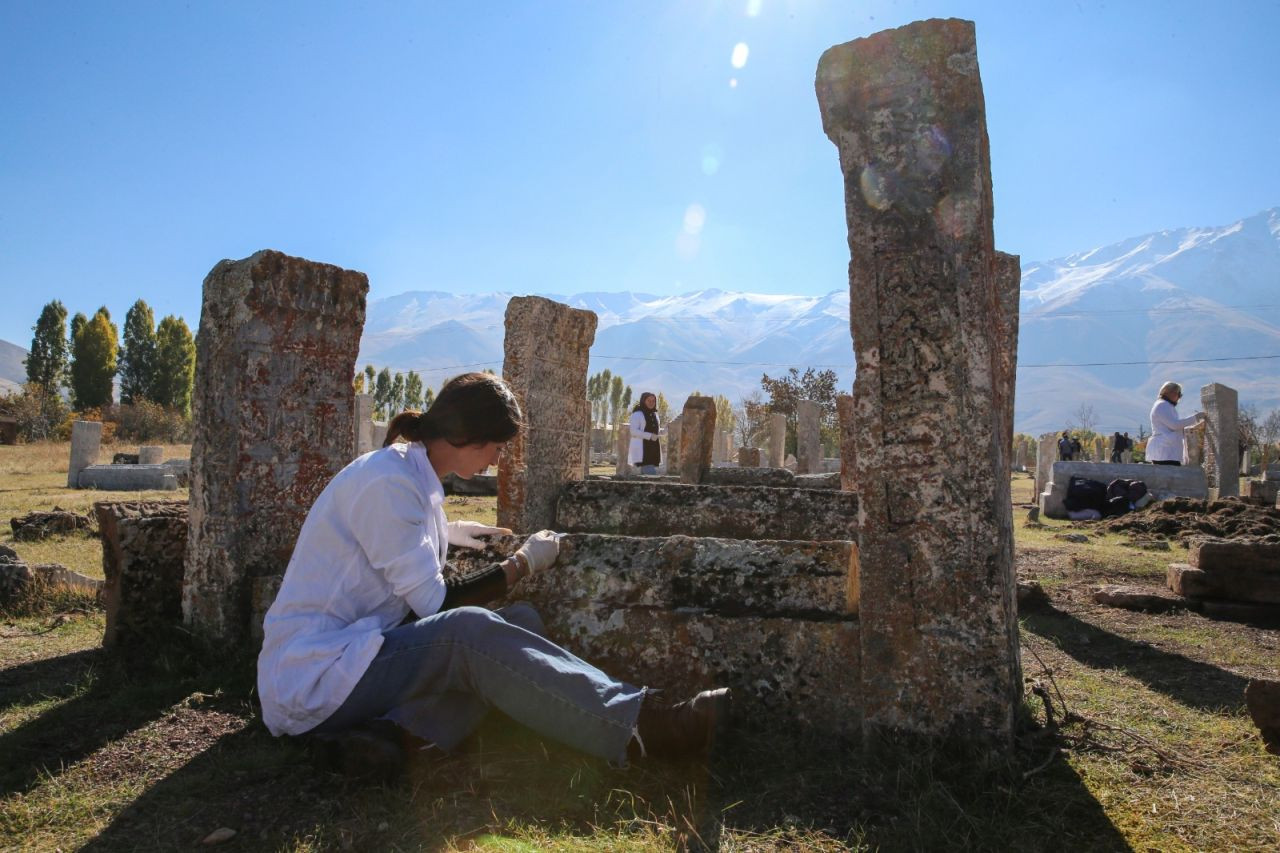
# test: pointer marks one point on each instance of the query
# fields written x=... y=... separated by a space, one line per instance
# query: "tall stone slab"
x=939 y=631
x=545 y=363
x=1221 y=438
x=1046 y=455
x=848 y=449
x=272 y=419
x=86 y=441
x=1008 y=274
x=777 y=440
x=364 y=424
x=808 y=437
x=697 y=434
x=673 y=444
x=749 y=457
x=621 y=466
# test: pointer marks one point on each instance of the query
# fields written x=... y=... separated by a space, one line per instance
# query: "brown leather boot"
x=683 y=731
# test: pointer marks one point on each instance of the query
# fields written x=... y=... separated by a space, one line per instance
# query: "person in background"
x=340 y=660
x=1167 y=445
x=1066 y=448
x=644 y=451
x=1117 y=446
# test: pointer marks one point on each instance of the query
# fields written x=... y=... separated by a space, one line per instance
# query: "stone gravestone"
x=1008 y=275
x=1046 y=455
x=848 y=451
x=1221 y=438
x=150 y=455
x=749 y=457
x=86 y=441
x=697 y=433
x=777 y=441
x=545 y=362
x=673 y=445
x=364 y=424
x=622 y=467
x=272 y=419
x=808 y=437
x=938 y=621
x=1100 y=450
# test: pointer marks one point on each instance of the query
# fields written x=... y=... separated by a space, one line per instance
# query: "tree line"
x=156 y=367
x=393 y=393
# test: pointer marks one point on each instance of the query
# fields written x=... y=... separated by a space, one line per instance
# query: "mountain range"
x=1099 y=330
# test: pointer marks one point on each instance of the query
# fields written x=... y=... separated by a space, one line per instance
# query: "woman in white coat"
x=644 y=451
x=1167 y=445
x=369 y=646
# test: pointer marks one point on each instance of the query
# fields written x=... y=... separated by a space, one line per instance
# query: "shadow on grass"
x=1195 y=684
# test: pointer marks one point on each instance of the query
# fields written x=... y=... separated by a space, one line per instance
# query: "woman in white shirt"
x=1167 y=444
x=644 y=451
x=339 y=659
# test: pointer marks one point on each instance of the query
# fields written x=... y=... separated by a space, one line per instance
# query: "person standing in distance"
x=1167 y=445
x=644 y=451
x=340 y=659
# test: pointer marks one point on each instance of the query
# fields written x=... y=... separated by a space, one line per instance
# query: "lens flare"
x=738 y=59
x=753 y=7
x=933 y=149
x=733 y=82
x=875 y=186
x=695 y=216
x=711 y=155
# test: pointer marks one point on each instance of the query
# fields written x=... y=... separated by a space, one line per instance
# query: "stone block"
x=1244 y=585
x=1262 y=698
x=363 y=425
x=848 y=442
x=1163 y=481
x=808 y=437
x=643 y=508
x=697 y=433
x=1225 y=555
x=939 y=633
x=143 y=550
x=545 y=355
x=1221 y=438
x=818 y=481
x=1264 y=490
x=86 y=442
x=273 y=417
x=129 y=478
x=750 y=477
x=54 y=574
x=1138 y=598
x=777 y=441
x=1046 y=455
x=150 y=455
x=749 y=457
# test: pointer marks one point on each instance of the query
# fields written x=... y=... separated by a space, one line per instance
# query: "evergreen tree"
x=175 y=365
x=138 y=357
x=413 y=391
x=397 y=394
x=615 y=400
x=428 y=397
x=47 y=363
x=370 y=377
x=93 y=362
x=382 y=393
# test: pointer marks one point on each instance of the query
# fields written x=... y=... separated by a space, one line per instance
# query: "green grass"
x=103 y=751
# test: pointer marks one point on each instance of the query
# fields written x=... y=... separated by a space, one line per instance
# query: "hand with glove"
x=465 y=534
x=539 y=551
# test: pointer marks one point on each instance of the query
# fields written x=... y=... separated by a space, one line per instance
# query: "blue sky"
x=573 y=146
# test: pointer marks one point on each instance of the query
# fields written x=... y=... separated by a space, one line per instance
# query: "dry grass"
x=106 y=752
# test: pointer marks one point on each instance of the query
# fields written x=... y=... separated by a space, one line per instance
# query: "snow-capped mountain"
x=13 y=367
x=1186 y=294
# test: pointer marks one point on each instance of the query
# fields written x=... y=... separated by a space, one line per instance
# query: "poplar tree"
x=413 y=391
x=175 y=367
x=47 y=363
x=93 y=361
x=138 y=357
x=397 y=394
x=382 y=392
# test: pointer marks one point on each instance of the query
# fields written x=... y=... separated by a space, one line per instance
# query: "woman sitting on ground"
x=1167 y=445
x=340 y=659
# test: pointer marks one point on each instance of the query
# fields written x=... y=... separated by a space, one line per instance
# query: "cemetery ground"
x=1148 y=745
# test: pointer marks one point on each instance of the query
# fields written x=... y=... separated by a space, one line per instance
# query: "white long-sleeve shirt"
x=372 y=547
x=635 y=450
x=1166 y=442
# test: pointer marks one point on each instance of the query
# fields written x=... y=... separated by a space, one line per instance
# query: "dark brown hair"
x=640 y=403
x=473 y=408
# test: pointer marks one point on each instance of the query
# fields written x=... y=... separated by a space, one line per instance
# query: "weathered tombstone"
x=749 y=457
x=673 y=444
x=848 y=450
x=545 y=362
x=1046 y=455
x=86 y=441
x=143 y=548
x=364 y=424
x=622 y=468
x=938 y=622
x=272 y=415
x=1221 y=439
x=808 y=437
x=718 y=448
x=1008 y=280
x=697 y=433
x=1099 y=449
x=150 y=455
x=777 y=441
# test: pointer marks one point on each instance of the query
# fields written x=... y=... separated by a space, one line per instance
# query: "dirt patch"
x=1183 y=518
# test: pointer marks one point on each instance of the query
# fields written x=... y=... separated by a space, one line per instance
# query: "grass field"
x=103 y=752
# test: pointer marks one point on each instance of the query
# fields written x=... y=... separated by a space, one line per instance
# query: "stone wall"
x=643 y=508
x=546 y=348
x=1162 y=481
x=144 y=547
x=939 y=638
x=273 y=421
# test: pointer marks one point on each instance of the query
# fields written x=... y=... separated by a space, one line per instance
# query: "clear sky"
x=559 y=146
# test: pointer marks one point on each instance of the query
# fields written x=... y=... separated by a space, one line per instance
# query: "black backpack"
x=1083 y=493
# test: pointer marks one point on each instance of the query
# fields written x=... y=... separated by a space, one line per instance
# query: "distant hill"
x=13 y=370
x=1192 y=293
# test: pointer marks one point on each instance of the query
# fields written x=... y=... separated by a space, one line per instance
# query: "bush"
x=39 y=414
x=144 y=421
x=63 y=432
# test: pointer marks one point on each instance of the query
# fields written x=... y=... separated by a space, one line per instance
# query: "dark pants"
x=1166 y=463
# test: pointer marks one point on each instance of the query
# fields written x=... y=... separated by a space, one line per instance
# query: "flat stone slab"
x=1226 y=555
x=639 y=508
x=1143 y=599
x=750 y=477
x=1242 y=585
x=1163 y=481
x=128 y=478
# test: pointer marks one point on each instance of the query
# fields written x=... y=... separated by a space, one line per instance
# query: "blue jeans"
x=438 y=677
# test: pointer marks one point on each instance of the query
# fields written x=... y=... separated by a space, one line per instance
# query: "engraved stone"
x=1221 y=438
x=808 y=437
x=697 y=432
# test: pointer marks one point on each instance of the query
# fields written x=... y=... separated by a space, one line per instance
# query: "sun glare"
x=739 y=56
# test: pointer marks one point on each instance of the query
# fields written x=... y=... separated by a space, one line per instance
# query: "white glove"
x=540 y=550
x=462 y=534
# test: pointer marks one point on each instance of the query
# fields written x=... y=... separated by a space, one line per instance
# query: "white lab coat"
x=635 y=450
x=372 y=547
x=1166 y=443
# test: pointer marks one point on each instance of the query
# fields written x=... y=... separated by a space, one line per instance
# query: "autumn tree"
x=138 y=356
x=751 y=422
x=175 y=366
x=93 y=362
x=816 y=385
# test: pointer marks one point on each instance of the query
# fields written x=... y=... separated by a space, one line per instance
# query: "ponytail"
x=408 y=425
x=473 y=408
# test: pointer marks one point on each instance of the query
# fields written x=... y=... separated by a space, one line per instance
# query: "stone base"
x=143 y=552
x=128 y=478
x=1244 y=585
x=641 y=508
x=1163 y=481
